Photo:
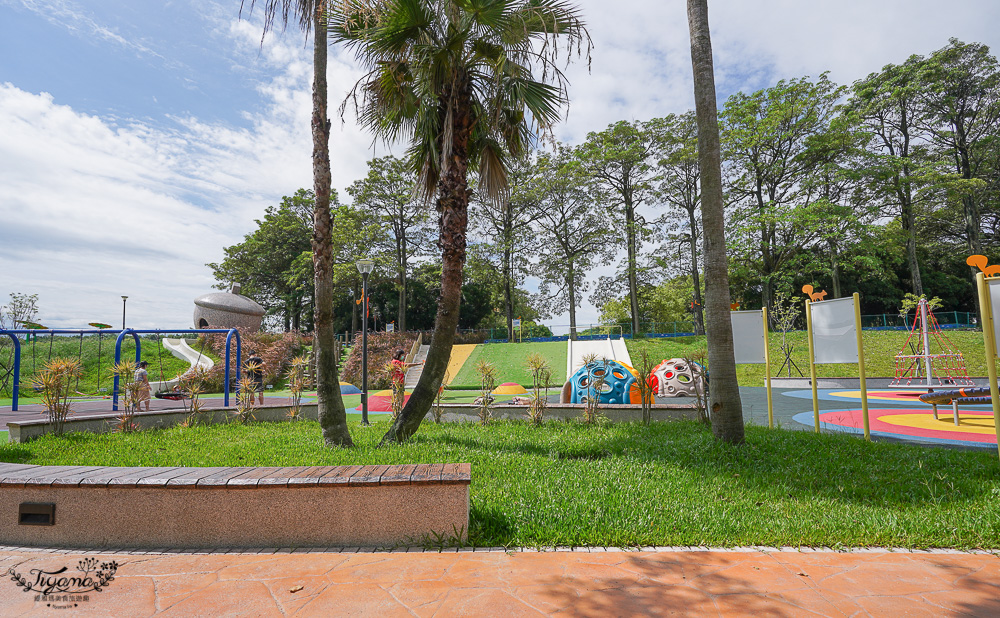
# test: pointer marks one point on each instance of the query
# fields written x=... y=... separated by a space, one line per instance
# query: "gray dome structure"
x=227 y=310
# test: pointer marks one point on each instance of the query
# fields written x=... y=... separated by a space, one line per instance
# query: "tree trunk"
x=401 y=314
x=330 y=405
x=508 y=274
x=571 y=288
x=724 y=393
x=453 y=223
x=835 y=268
x=699 y=310
x=633 y=284
x=907 y=220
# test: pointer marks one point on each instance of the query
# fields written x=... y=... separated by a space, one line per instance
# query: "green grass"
x=35 y=354
x=881 y=348
x=625 y=484
x=510 y=360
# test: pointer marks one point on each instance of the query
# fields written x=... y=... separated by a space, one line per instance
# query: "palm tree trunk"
x=724 y=393
x=330 y=407
x=453 y=223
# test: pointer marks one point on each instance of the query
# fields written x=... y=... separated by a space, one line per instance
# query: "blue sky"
x=137 y=139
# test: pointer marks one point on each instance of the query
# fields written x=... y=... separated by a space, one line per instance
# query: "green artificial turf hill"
x=510 y=361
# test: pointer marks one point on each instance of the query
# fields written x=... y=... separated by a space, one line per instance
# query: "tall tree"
x=573 y=233
x=724 y=394
x=312 y=17
x=886 y=107
x=388 y=192
x=456 y=80
x=621 y=161
x=679 y=187
x=264 y=264
x=766 y=140
x=961 y=105
x=505 y=224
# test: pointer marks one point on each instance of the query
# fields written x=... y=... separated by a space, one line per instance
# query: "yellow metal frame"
x=812 y=365
x=989 y=341
x=767 y=367
x=861 y=365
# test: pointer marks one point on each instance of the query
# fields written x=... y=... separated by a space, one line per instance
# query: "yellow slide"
x=459 y=354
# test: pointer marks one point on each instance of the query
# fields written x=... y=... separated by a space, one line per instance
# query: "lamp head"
x=365 y=266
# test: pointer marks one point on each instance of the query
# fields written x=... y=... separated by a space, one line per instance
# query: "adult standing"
x=142 y=387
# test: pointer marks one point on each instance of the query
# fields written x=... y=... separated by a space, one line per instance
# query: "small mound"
x=509 y=388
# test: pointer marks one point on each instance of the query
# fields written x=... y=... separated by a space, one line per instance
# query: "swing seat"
x=172 y=396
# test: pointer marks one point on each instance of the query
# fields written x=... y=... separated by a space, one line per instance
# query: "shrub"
x=541 y=377
x=55 y=382
x=380 y=349
x=276 y=350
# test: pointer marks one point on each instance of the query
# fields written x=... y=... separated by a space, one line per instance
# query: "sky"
x=137 y=139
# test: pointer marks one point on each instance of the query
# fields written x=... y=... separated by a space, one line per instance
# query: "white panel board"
x=993 y=285
x=835 y=337
x=748 y=336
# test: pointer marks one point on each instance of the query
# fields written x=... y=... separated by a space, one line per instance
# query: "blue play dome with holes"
x=619 y=384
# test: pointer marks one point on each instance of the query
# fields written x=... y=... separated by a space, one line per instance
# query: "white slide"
x=611 y=349
x=180 y=349
x=621 y=351
x=577 y=350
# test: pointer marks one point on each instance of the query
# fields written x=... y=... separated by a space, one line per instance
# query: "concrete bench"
x=153 y=508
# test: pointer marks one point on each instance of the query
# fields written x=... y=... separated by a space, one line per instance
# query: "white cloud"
x=93 y=208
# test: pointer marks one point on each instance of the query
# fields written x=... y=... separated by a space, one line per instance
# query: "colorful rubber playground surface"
x=900 y=415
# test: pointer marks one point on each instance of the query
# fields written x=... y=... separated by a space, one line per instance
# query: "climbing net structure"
x=938 y=362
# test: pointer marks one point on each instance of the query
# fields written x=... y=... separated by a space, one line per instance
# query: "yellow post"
x=986 y=319
x=861 y=365
x=767 y=369
x=812 y=365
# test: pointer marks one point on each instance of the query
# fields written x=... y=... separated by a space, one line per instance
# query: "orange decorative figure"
x=981 y=262
x=813 y=296
x=734 y=306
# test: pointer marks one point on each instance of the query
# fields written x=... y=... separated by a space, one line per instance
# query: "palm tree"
x=312 y=15
x=724 y=392
x=454 y=79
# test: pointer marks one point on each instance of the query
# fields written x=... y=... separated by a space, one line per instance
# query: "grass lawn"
x=881 y=348
x=625 y=484
x=510 y=360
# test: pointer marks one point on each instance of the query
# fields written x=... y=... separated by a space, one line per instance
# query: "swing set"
x=33 y=330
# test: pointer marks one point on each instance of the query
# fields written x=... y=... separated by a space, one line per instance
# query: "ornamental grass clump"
x=246 y=397
x=192 y=385
x=297 y=377
x=645 y=368
x=55 y=382
x=132 y=395
x=487 y=382
x=597 y=371
x=436 y=410
x=541 y=378
x=701 y=387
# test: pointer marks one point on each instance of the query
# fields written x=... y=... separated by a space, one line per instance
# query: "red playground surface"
x=975 y=427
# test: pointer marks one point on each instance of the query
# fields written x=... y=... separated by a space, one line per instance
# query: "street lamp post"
x=365 y=268
x=124 y=298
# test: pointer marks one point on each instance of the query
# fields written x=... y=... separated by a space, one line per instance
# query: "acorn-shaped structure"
x=227 y=310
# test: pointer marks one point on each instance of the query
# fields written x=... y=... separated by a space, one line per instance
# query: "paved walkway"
x=499 y=583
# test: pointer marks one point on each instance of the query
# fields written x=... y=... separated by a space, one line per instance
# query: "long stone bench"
x=159 y=508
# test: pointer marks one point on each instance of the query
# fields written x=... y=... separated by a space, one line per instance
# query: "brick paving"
x=495 y=582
